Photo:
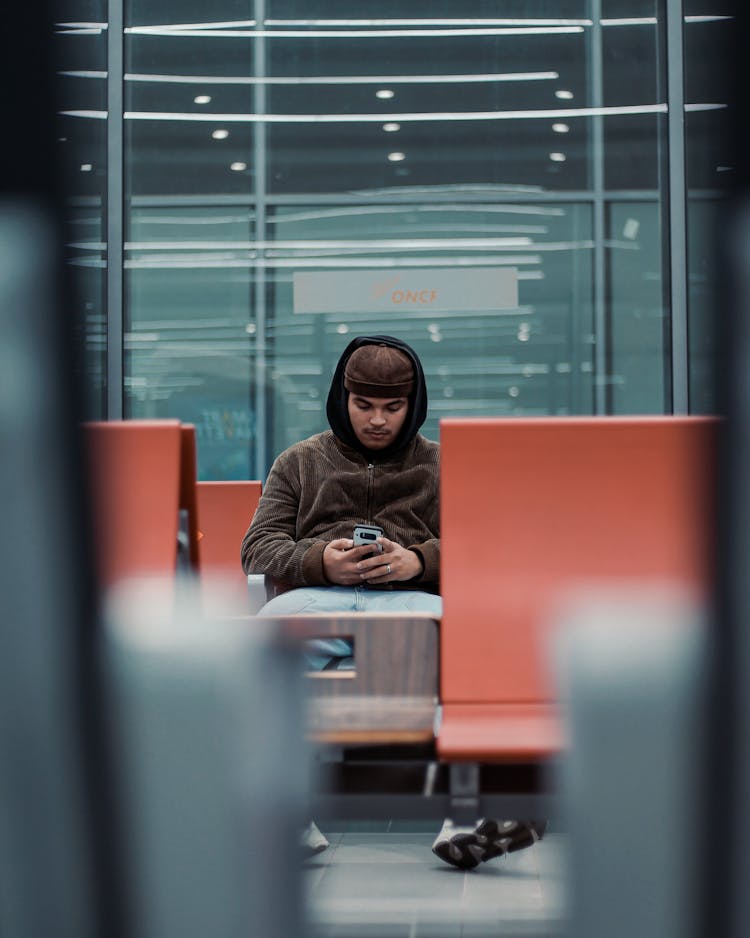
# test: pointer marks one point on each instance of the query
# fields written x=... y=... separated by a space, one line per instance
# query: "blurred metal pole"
x=208 y=723
x=54 y=865
x=725 y=828
x=728 y=899
x=631 y=668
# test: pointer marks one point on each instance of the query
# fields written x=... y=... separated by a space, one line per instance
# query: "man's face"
x=376 y=421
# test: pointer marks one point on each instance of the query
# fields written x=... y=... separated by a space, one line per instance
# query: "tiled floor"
x=382 y=881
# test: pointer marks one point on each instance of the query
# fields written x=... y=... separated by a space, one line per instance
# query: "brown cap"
x=379 y=371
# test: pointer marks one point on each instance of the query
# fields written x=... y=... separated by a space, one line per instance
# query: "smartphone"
x=367 y=534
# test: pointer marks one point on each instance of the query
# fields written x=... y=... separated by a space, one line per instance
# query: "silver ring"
x=388 y=568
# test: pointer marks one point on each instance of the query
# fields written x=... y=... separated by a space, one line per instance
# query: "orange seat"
x=530 y=510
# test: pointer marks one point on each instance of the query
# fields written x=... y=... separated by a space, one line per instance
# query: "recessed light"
x=391 y=127
x=342 y=328
x=564 y=95
x=202 y=99
x=561 y=128
x=220 y=134
x=558 y=157
x=238 y=167
x=384 y=94
x=86 y=167
x=396 y=157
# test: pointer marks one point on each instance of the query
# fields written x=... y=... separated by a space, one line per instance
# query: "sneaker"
x=454 y=853
x=466 y=848
x=313 y=841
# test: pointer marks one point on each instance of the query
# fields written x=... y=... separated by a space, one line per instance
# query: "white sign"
x=451 y=289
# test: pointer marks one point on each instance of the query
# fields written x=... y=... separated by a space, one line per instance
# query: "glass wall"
x=280 y=137
x=81 y=49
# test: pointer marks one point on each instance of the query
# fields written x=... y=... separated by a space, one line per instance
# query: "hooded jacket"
x=320 y=488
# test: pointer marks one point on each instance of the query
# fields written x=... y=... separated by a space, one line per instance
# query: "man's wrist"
x=420 y=563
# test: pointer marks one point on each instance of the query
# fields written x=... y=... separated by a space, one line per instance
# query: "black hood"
x=338 y=398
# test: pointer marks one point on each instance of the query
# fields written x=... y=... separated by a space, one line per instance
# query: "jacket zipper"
x=370 y=486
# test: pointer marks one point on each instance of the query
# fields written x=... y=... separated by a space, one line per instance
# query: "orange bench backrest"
x=225 y=510
x=134 y=472
x=532 y=507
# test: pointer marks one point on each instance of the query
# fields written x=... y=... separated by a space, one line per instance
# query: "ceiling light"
x=558 y=157
x=86 y=167
x=560 y=128
x=202 y=99
x=396 y=157
x=412 y=116
x=238 y=167
x=391 y=127
x=385 y=94
x=342 y=328
x=220 y=134
x=324 y=79
x=564 y=95
x=630 y=229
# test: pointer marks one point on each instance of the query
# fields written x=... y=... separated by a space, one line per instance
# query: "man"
x=371 y=467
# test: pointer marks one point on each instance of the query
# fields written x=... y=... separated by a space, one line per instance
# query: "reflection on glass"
x=392 y=139
x=710 y=168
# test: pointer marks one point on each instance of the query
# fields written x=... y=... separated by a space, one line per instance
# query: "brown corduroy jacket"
x=318 y=489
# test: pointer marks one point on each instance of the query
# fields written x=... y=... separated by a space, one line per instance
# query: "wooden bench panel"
x=391 y=695
x=534 y=508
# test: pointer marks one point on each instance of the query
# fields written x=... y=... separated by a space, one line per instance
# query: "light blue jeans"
x=323 y=653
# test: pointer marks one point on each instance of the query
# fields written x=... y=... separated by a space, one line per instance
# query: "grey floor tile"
x=390 y=885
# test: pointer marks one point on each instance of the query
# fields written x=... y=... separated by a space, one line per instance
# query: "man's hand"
x=396 y=563
x=341 y=561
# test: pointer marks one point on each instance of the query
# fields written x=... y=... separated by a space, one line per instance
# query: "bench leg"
x=464 y=792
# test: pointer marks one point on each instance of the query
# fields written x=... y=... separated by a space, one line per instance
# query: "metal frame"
x=677 y=198
x=410 y=784
x=602 y=401
x=259 y=193
x=115 y=214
